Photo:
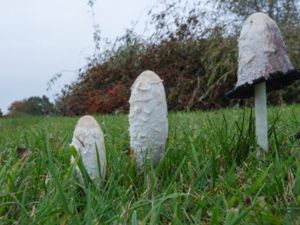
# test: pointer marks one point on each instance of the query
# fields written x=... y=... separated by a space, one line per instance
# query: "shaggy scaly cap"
x=262 y=58
x=262 y=50
x=87 y=139
x=148 y=118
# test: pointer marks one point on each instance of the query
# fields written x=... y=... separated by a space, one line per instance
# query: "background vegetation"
x=193 y=48
x=32 y=106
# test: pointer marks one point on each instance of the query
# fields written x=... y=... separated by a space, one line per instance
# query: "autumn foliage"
x=197 y=62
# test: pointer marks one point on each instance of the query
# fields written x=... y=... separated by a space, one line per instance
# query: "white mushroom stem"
x=261 y=116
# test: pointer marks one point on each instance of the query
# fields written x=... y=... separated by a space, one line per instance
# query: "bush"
x=197 y=62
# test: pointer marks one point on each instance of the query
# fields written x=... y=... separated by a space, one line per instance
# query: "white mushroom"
x=148 y=118
x=88 y=140
x=262 y=50
x=263 y=66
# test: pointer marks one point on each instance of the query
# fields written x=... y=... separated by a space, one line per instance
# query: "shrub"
x=193 y=51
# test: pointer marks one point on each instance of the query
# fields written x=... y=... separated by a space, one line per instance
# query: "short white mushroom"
x=264 y=66
x=88 y=140
x=148 y=122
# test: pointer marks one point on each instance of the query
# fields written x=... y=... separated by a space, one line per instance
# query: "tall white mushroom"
x=263 y=66
x=148 y=122
x=88 y=140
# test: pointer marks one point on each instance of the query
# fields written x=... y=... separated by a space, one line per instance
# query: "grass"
x=209 y=175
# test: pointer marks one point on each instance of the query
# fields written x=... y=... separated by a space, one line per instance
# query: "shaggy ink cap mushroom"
x=264 y=66
x=148 y=122
x=87 y=140
x=262 y=58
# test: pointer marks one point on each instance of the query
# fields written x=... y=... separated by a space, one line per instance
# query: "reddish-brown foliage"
x=197 y=63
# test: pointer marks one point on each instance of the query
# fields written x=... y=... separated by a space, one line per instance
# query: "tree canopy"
x=282 y=11
x=33 y=106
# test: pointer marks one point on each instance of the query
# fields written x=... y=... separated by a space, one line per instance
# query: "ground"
x=210 y=173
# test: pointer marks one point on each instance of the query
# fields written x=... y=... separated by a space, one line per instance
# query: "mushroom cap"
x=87 y=139
x=262 y=57
x=148 y=122
x=147 y=76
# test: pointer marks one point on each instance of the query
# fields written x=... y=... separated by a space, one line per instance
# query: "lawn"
x=210 y=173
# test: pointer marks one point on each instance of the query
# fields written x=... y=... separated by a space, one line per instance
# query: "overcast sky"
x=41 y=38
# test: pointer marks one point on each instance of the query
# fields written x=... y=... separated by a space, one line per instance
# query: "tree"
x=284 y=12
x=39 y=105
x=1 y=113
x=32 y=106
x=17 y=108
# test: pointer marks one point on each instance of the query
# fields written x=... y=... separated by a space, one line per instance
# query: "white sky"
x=39 y=38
